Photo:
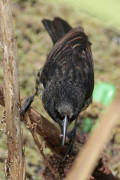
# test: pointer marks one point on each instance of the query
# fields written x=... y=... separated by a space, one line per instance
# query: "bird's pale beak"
x=65 y=124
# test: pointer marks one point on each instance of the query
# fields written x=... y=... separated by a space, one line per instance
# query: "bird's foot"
x=27 y=104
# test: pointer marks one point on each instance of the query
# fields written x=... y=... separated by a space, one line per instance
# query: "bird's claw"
x=26 y=104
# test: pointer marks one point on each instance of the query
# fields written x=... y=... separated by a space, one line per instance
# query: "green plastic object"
x=87 y=125
x=104 y=93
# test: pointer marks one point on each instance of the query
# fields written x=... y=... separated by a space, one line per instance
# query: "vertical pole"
x=15 y=163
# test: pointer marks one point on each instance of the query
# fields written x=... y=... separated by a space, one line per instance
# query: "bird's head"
x=65 y=112
x=65 y=115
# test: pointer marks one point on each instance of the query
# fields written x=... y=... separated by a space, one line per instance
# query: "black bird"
x=66 y=81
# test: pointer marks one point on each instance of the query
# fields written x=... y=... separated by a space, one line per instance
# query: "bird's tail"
x=56 y=28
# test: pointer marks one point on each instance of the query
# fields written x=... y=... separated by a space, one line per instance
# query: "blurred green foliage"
x=108 y=11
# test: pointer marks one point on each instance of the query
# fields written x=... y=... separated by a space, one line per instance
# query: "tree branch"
x=15 y=160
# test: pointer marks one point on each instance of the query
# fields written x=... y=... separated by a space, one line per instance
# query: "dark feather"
x=56 y=28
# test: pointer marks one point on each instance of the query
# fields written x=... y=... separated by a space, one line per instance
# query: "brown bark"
x=15 y=162
x=48 y=132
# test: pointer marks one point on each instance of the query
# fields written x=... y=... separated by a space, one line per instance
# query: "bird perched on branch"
x=66 y=81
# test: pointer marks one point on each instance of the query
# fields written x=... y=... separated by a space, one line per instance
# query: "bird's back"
x=70 y=60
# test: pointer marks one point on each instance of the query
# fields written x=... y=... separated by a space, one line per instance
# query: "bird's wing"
x=65 y=53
